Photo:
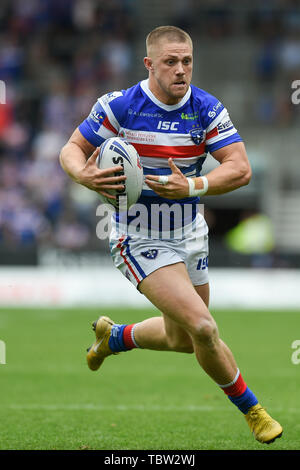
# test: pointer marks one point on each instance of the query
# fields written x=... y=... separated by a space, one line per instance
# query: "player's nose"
x=180 y=69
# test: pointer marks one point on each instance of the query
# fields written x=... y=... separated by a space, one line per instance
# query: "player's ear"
x=148 y=63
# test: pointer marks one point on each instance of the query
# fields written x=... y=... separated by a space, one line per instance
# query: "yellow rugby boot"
x=100 y=349
x=264 y=428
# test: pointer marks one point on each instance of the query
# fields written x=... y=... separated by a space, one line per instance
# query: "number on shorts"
x=202 y=263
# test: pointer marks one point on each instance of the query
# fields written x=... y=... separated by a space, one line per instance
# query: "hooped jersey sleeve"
x=102 y=122
x=216 y=121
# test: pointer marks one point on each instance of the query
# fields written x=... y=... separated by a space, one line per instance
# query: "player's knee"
x=205 y=331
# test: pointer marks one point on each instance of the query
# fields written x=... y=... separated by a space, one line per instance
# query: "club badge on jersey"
x=198 y=135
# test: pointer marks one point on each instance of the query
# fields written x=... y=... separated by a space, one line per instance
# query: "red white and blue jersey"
x=186 y=131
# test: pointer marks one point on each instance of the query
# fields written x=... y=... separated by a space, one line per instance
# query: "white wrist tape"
x=197 y=192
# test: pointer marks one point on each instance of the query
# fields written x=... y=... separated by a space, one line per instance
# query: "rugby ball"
x=118 y=152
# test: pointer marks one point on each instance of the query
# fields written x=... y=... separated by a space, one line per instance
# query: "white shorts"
x=136 y=258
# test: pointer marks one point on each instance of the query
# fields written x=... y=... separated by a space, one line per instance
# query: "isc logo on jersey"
x=168 y=125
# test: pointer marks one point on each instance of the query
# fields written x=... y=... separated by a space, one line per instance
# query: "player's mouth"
x=179 y=83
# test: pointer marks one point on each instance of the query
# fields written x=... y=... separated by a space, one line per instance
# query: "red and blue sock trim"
x=240 y=394
x=122 y=338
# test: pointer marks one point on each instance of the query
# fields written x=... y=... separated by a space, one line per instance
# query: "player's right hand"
x=98 y=180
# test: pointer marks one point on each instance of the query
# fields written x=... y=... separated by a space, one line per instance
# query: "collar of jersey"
x=167 y=107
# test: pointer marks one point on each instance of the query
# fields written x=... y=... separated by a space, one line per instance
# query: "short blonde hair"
x=171 y=33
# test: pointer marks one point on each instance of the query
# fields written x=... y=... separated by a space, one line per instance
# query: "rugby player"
x=173 y=125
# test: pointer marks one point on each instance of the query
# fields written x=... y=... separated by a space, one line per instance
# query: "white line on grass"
x=159 y=408
x=94 y=407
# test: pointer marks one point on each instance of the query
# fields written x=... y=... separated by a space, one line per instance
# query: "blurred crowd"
x=57 y=57
x=273 y=26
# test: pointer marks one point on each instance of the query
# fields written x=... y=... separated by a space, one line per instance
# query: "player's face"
x=170 y=71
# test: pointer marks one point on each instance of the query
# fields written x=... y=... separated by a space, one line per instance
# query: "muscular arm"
x=78 y=159
x=233 y=172
x=74 y=155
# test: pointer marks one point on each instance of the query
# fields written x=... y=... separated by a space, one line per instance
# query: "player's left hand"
x=177 y=186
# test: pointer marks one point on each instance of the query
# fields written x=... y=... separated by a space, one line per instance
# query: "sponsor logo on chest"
x=168 y=126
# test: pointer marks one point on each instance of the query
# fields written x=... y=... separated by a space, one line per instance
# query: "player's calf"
x=177 y=339
x=178 y=345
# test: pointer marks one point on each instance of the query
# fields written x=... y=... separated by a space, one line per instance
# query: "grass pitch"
x=140 y=399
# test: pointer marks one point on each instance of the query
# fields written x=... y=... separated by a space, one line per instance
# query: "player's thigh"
x=203 y=291
x=172 y=292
